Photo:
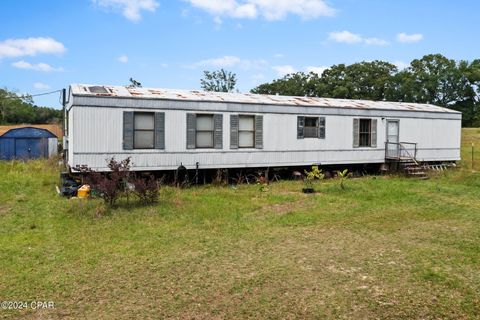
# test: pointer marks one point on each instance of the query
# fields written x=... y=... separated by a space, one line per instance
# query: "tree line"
x=432 y=79
x=16 y=109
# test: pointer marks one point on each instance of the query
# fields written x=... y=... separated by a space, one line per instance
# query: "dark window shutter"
x=259 y=132
x=128 y=130
x=321 y=127
x=191 y=130
x=300 y=126
x=160 y=130
x=374 y=133
x=234 y=131
x=356 y=133
x=218 y=131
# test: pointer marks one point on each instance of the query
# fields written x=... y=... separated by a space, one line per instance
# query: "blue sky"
x=46 y=45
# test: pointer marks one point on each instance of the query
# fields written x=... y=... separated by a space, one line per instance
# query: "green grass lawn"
x=385 y=248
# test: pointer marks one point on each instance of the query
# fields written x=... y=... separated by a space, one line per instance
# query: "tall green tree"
x=218 y=81
x=295 y=84
x=364 y=80
x=15 y=109
x=370 y=80
x=441 y=81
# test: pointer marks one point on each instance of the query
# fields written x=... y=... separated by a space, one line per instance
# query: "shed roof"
x=55 y=129
x=248 y=98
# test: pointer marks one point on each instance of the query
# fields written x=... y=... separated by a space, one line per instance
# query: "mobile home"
x=161 y=129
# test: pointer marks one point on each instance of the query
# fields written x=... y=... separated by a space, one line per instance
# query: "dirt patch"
x=286 y=207
x=4 y=209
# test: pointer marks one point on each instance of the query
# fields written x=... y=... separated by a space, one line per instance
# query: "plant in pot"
x=310 y=177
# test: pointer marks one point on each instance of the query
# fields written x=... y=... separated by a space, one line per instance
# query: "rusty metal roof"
x=193 y=95
x=55 y=129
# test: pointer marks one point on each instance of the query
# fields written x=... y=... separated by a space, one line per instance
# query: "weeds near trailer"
x=147 y=190
x=343 y=176
x=120 y=181
x=263 y=187
x=221 y=177
x=109 y=186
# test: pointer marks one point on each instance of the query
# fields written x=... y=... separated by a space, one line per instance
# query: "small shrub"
x=100 y=211
x=147 y=190
x=343 y=175
x=312 y=175
x=263 y=187
x=108 y=186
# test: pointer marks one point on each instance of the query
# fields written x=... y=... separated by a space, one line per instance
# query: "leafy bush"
x=108 y=186
x=310 y=176
x=147 y=190
x=343 y=175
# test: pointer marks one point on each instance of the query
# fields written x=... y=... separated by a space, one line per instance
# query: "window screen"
x=204 y=131
x=144 y=130
x=365 y=133
x=246 y=132
x=311 y=127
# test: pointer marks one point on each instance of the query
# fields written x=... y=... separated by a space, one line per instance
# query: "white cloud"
x=317 y=70
x=409 y=38
x=257 y=78
x=41 y=86
x=353 y=38
x=14 y=48
x=401 y=65
x=131 y=9
x=375 y=42
x=229 y=62
x=225 y=8
x=284 y=70
x=269 y=9
x=345 y=37
x=222 y=62
x=123 y=59
x=278 y=55
x=36 y=67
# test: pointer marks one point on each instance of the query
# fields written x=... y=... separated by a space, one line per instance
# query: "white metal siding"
x=70 y=137
x=437 y=139
x=52 y=147
x=96 y=134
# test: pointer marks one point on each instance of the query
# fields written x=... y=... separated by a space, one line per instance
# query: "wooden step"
x=418 y=173
x=421 y=178
x=414 y=168
x=417 y=170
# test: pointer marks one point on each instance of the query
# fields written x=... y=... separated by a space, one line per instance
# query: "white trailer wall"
x=96 y=133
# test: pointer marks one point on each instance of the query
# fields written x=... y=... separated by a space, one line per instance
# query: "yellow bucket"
x=83 y=191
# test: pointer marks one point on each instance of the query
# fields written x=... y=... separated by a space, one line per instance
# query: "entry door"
x=393 y=150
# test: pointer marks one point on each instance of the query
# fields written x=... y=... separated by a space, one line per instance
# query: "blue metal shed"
x=27 y=143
